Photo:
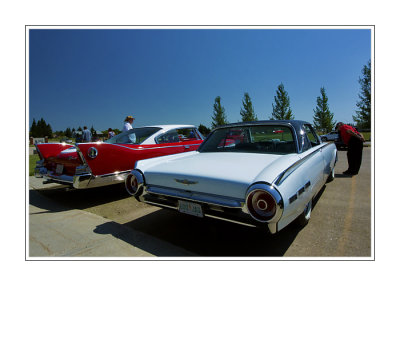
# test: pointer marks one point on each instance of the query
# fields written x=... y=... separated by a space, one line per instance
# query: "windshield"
x=261 y=139
x=134 y=136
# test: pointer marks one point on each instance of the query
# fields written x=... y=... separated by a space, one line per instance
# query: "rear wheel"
x=306 y=215
x=331 y=175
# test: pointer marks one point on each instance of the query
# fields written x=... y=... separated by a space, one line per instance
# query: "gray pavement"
x=58 y=231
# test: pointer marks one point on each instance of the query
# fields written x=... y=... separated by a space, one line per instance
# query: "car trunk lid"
x=227 y=174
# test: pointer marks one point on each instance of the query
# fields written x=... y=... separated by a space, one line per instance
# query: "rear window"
x=134 y=136
x=261 y=139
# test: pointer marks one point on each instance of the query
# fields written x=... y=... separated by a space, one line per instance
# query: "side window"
x=187 y=134
x=128 y=137
x=311 y=135
x=171 y=136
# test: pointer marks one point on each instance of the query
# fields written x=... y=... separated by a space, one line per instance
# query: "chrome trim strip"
x=158 y=147
x=196 y=196
x=282 y=176
x=114 y=174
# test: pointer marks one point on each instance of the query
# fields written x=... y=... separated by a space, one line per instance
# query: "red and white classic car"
x=87 y=165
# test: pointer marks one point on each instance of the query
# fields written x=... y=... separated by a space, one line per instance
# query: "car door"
x=312 y=151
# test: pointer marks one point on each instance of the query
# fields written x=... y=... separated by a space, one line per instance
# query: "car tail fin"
x=46 y=150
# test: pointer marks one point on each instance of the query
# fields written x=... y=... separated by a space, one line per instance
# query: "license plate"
x=190 y=208
x=59 y=168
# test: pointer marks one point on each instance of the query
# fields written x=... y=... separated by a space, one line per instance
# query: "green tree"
x=281 y=110
x=33 y=130
x=41 y=128
x=219 y=116
x=68 y=132
x=323 y=117
x=363 y=117
x=204 y=130
x=49 y=131
x=247 y=112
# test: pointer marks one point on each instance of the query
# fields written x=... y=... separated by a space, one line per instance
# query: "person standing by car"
x=86 y=135
x=128 y=126
x=354 y=141
x=128 y=123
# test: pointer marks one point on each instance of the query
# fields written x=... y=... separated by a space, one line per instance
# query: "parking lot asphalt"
x=105 y=222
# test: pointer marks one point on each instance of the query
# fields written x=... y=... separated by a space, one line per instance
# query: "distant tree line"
x=322 y=119
x=40 y=129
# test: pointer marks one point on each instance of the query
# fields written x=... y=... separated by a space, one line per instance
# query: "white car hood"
x=228 y=174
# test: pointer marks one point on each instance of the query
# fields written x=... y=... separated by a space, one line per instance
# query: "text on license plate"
x=190 y=208
x=59 y=168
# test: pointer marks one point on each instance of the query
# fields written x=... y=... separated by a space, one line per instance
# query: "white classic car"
x=262 y=174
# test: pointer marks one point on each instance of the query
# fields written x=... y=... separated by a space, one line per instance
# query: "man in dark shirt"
x=86 y=135
x=354 y=141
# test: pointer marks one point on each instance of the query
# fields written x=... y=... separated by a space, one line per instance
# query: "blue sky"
x=96 y=77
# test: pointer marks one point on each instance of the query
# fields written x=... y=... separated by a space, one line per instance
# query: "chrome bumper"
x=222 y=208
x=80 y=181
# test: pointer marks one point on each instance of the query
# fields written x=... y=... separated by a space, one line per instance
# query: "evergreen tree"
x=68 y=133
x=33 y=130
x=219 y=116
x=41 y=127
x=363 y=117
x=247 y=112
x=49 y=131
x=204 y=130
x=281 y=110
x=92 y=131
x=323 y=117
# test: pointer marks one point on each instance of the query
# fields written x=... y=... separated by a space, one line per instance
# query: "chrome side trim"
x=156 y=147
x=196 y=196
x=114 y=174
x=282 y=176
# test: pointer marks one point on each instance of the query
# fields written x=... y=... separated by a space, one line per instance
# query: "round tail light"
x=261 y=205
x=131 y=184
x=134 y=183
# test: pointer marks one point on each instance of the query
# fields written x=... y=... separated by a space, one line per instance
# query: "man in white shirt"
x=128 y=123
x=128 y=126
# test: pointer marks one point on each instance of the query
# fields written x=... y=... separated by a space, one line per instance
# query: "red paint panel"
x=51 y=149
x=120 y=157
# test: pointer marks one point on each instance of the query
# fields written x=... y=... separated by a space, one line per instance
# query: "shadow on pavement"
x=210 y=237
x=82 y=198
x=140 y=240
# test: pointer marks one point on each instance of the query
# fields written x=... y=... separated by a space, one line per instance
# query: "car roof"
x=295 y=123
x=170 y=126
